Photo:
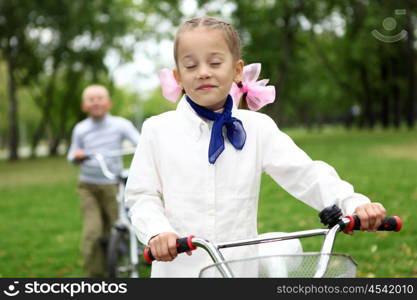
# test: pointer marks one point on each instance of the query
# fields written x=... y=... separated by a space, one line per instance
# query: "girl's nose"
x=204 y=72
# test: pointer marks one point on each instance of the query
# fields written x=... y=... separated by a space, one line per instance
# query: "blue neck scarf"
x=234 y=127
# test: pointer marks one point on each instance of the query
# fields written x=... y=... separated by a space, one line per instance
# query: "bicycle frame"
x=214 y=249
x=123 y=220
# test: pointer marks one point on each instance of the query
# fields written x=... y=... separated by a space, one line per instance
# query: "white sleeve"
x=131 y=133
x=143 y=194
x=76 y=143
x=313 y=182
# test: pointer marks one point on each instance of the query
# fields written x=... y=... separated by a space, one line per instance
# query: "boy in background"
x=100 y=133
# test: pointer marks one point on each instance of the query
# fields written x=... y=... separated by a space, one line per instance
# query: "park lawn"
x=40 y=221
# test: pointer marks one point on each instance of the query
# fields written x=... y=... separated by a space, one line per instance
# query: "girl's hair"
x=230 y=34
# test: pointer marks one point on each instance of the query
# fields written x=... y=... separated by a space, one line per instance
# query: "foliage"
x=321 y=55
x=68 y=41
x=156 y=104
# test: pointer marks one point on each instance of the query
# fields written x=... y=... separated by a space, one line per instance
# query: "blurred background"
x=344 y=70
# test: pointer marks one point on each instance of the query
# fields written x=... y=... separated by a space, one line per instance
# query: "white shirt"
x=173 y=188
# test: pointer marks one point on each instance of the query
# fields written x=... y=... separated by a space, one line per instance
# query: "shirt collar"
x=100 y=120
x=195 y=125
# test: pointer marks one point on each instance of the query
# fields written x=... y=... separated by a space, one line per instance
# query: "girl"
x=175 y=190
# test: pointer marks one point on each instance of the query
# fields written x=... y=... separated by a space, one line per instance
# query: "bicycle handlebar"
x=119 y=153
x=347 y=224
x=183 y=245
x=332 y=215
x=389 y=224
x=103 y=165
x=102 y=162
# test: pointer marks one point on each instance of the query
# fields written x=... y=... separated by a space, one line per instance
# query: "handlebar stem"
x=100 y=158
x=215 y=255
x=326 y=250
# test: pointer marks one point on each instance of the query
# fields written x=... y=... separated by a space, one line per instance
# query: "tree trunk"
x=396 y=94
x=396 y=117
x=410 y=106
x=283 y=68
x=35 y=138
x=73 y=82
x=385 y=96
x=13 y=111
x=46 y=111
x=53 y=145
x=368 y=113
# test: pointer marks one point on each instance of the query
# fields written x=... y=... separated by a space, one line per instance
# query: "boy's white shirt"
x=102 y=136
x=173 y=188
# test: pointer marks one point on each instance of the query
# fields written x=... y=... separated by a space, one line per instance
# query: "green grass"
x=40 y=227
x=40 y=221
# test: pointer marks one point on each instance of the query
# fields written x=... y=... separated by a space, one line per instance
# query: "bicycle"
x=123 y=250
x=311 y=264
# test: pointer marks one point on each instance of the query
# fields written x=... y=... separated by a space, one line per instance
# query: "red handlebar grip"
x=351 y=224
x=189 y=242
x=389 y=224
x=399 y=224
x=183 y=245
x=146 y=255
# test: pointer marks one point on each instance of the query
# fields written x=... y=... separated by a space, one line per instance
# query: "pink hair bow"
x=170 y=88
x=258 y=94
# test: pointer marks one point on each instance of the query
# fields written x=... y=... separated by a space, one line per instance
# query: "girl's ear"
x=239 y=70
x=177 y=77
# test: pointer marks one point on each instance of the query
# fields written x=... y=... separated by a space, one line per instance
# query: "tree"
x=52 y=41
x=17 y=51
x=85 y=32
x=323 y=58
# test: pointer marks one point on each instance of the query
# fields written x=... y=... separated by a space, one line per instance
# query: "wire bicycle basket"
x=305 y=265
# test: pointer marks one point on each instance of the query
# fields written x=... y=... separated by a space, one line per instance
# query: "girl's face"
x=206 y=67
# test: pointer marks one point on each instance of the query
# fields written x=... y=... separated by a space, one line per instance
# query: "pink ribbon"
x=170 y=88
x=258 y=94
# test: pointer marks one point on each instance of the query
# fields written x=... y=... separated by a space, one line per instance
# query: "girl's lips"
x=205 y=87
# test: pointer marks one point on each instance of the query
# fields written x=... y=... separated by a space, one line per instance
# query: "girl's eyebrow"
x=190 y=56
x=217 y=53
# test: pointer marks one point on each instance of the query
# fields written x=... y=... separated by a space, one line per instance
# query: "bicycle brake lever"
x=330 y=215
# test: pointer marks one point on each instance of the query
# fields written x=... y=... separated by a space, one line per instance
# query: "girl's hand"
x=371 y=215
x=164 y=246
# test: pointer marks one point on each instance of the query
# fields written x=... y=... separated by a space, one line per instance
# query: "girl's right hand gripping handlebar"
x=183 y=245
x=332 y=215
x=389 y=224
